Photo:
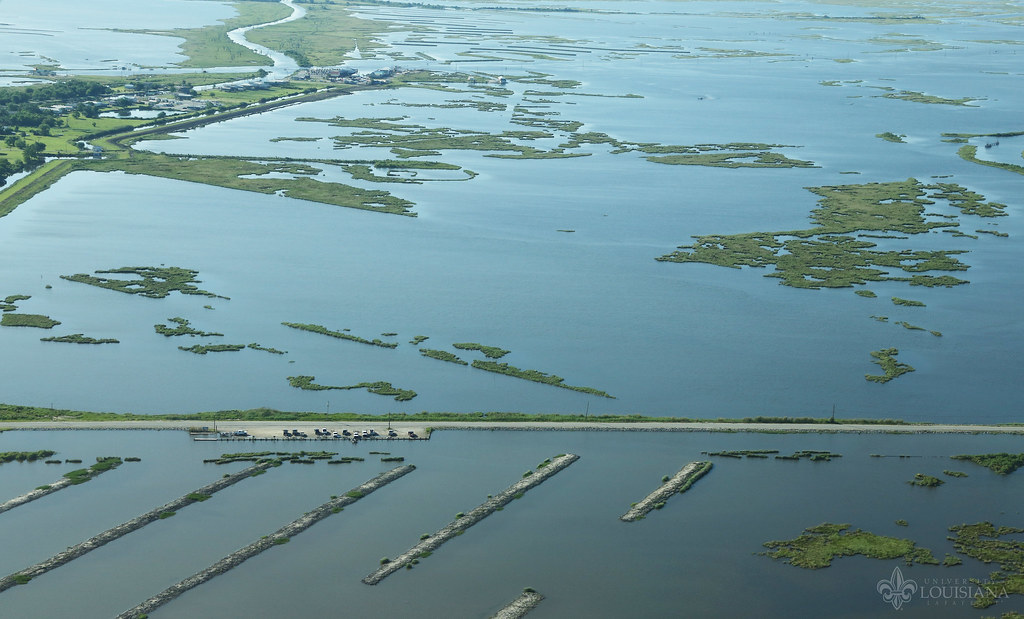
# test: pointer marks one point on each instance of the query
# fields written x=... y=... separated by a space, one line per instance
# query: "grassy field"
x=324 y=37
x=209 y=46
x=229 y=172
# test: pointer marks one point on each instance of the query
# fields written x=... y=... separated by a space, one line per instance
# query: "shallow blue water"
x=485 y=260
x=562 y=538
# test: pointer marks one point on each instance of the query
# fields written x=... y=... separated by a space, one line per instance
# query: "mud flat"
x=680 y=482
x=464 y=521
x=519 y=607
x=27 y=574
x=280 y=536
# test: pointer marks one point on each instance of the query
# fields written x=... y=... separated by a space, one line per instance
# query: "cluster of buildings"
x=346 y=75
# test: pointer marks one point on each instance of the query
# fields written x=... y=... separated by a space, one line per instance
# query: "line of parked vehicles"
x=354 y=436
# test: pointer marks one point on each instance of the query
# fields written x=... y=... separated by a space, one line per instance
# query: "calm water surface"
x=563 y=538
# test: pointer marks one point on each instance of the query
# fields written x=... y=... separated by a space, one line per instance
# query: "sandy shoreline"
x=275 y=429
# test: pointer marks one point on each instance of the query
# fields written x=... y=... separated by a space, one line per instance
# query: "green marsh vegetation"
x=476 y=104
x=245 y=175
x=183 y=328
x=954 y=473
x=729 y=158
x=339 y=334
x=888 y=92
x=28 y=320
x=202 y=349
x=819 y=545
x=406 y=140
x=79 y=338
x=14 y=412
x=906 y=302
x=825 y=256
x=273 y=351
x=103 y=464
x=419 y=339
x=442 y=355
x=152 y=282
x=865 y=293
x=739 y=453
x=934 y=281
x=969 y=152
x=9 y=304
x=209 y=46
x=812 y=455
x=365 y=172
x=983 y=541
x=535 y=376
x=379 y=387
x=275 y=457
x=951 y=560
x=920 y=97
x=491 y=352
x=702 y=469
x=926 y=481
x=1001 y=463
x=24 y=456
x=325 y=36
x=886 y=359
x=889 y=136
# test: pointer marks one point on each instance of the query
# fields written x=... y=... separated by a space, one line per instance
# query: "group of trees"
x=26 y=108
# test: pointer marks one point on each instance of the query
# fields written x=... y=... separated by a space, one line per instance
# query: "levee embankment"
x=464 y=521
x=680 y=482
x=123 y=529
x=280 y=536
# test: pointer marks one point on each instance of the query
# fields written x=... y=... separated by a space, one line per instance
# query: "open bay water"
x=664 y=339
x=485 y=260
x=562 y=538
x=82 y=37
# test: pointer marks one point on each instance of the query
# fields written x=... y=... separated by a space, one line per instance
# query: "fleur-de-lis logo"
x=897 y=590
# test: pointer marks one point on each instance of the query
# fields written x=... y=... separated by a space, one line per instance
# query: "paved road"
x=275 y=428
